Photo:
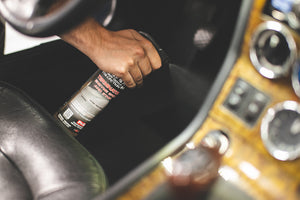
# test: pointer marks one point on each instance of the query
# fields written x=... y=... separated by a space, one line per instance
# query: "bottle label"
x=89 y=101
x=71 y=120
x=81 y=109
x=108 y=85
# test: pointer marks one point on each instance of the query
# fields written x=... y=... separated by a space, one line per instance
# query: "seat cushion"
x=47 y=162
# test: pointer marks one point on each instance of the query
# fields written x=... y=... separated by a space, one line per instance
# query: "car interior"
x=232 y=72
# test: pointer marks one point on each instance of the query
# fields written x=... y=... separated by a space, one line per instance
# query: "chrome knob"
x=195 y=170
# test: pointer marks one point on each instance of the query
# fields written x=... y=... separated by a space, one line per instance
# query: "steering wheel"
x=43 y=18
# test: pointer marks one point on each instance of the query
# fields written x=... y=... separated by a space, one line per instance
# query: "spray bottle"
x=95 y=95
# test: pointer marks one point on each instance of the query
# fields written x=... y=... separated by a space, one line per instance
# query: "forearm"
x=85 y=36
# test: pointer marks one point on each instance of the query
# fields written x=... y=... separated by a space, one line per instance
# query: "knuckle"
x=139 y=51
x=121 y=72
x=130 y=62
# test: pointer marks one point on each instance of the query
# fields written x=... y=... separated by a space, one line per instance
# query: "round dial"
x=273 y=50
x=280 y=131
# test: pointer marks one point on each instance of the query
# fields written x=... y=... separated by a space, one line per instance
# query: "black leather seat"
x=38 y=160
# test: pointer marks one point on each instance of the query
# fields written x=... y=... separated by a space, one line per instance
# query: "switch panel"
x=246 y=102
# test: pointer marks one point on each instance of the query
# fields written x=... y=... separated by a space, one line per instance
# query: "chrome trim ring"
x=281 y=151
x=296 y=78
x=262 y=65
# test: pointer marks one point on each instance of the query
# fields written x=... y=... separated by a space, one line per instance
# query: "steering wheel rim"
x=64 y=18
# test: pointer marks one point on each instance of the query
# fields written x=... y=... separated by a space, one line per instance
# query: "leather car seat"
x=38 y=159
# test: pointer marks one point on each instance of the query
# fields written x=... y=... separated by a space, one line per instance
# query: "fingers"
x=134 y=57
x=152 y=54
x=145 y=66
x=150 y=51
x=136 y=74
x=128 y=80
x=146 y=60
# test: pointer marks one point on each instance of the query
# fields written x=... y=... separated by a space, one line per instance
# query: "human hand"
x=125 y=53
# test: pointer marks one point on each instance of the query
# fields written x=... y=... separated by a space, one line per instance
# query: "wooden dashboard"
x=252 y=168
